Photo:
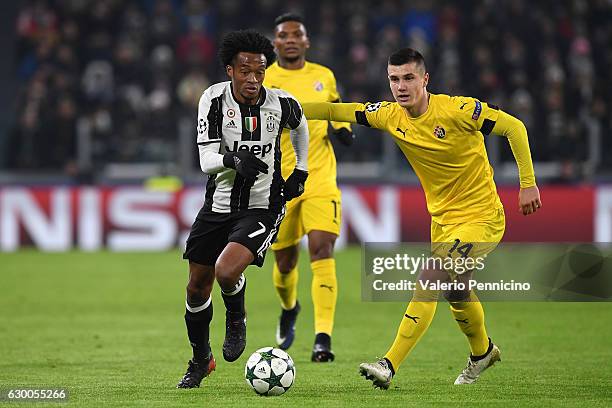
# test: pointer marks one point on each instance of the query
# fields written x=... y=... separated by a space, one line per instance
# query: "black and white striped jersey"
x=225 y=125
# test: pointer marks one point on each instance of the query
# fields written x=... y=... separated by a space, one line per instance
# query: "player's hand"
x=344 y=136
x=529 y=200
x=245 y=163
x=294 y=186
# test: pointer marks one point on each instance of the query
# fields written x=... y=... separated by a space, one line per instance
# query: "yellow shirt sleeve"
x=512 y=128
x=342 y=112
x=486 y=118
x=474 y=114
x=370 y=114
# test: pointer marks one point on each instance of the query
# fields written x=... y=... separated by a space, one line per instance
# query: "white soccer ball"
x=269 y=371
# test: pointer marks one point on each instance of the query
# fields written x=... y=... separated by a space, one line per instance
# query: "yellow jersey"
x=445 y=146
x=311 y=83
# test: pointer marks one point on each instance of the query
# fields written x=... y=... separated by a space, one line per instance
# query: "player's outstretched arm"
x=512 y=128
x=337 y=112
x=342 y=131
x=374 y=115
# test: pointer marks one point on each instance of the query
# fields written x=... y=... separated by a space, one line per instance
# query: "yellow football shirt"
x=311 y=83
x=446 y=149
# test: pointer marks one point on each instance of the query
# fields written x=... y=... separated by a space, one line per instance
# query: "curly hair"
x=245 y=41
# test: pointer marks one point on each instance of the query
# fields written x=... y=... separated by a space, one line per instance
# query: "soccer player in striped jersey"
x=317 y=213
x=239 y=128
x=442 y=138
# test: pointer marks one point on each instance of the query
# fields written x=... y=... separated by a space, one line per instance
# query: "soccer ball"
x=269 y=371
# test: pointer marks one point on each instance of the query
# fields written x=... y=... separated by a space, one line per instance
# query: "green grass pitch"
x=109 y=327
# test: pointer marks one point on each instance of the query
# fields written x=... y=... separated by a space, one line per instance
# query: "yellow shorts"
x=323 y=213
x=471 y=239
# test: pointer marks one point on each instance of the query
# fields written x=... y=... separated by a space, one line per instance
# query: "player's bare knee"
x=286 y=258
x=322 y=249
x=225 y=274
x=201 y=279
x=198 y=291
x=227 y=282
x=222 y=275
x=286 y=263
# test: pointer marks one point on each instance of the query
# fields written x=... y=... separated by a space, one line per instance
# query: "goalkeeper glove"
x=245 y=163
x=345 y=136
x=294 y=186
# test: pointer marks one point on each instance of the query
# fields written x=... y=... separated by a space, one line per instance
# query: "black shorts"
x=211 y=232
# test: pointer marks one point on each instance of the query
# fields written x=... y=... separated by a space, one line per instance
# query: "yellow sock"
x=470 y=317
x=286 y=286
x=416 y=320
x=324 y=294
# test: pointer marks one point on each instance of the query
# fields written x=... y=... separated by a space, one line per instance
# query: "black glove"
x=245 y=163
x=345 y=136
x=294 y=186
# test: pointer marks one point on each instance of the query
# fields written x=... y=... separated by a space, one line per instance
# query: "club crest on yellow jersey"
x=439 y=132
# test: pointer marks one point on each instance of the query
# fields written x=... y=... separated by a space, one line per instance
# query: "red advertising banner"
x=133 y=218
x=567 y=214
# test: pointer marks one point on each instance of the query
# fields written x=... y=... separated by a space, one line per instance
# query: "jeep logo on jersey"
x=256 y=149
x=439 y=132
x=270 y=123
x=250 y=123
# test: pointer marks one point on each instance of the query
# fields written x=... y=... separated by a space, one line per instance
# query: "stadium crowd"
x=127 y=71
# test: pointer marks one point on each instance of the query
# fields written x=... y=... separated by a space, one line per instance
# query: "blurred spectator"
x=190 y=88
x=130 y=71
x=35 y=22
x=98 y=82
x=196 y=49
x=163 y=26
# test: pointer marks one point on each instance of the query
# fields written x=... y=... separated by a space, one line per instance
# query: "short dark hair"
x=406 y=56
x=245 y=41
x=288 y=17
